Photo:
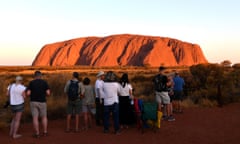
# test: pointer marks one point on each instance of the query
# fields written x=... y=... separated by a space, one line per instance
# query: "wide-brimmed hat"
x=100 y=73
x=19 y=78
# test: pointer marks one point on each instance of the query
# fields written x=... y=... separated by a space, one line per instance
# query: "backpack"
x=73 y=90
x=160 y=83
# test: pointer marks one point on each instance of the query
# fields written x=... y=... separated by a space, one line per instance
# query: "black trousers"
x=99 y=111
x=126 y=114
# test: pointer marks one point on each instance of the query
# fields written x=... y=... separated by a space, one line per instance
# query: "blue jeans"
x=115 y=112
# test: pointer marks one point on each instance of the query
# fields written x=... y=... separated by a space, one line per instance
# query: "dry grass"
x=140 y=78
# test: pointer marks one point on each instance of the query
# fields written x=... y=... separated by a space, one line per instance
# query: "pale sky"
x=27 y=25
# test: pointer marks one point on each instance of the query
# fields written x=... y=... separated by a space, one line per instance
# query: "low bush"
x=205 y=85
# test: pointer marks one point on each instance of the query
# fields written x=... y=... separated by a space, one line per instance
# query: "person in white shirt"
x=16 y=91
x=99 y=99
x=111 y=89
x=126 y=115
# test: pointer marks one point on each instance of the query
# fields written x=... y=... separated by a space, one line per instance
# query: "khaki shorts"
x=87 y=108
x=162 y=97
x=38 y=108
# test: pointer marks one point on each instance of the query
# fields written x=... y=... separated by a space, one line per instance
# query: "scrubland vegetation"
x=206 y=85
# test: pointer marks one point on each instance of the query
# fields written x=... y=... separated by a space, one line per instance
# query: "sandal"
x=17 y=136
x=36 y=135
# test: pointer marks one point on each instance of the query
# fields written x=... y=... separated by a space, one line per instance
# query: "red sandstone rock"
x=125 y=50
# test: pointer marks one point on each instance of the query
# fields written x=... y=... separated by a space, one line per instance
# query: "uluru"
x=120 y=50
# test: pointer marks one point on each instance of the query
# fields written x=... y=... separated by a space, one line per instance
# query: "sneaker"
x=164 y=117
x=171 y=118
x=17 y=136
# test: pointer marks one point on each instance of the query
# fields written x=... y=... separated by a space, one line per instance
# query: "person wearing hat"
x=16 y=91
x=74 y=90
x=99 y=97
x=38 y=89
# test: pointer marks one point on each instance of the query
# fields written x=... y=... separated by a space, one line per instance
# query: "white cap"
x=100 y=73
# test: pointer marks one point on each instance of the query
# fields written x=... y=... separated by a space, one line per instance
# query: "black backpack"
x=160 y=83
x=73 y=90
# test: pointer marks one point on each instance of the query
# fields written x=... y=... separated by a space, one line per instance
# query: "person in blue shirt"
x=178 y=93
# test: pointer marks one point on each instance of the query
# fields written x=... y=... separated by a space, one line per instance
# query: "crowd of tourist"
x=110 y=97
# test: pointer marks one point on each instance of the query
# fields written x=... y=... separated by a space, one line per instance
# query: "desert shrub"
x=5 y=116
x=204 y=102
x=57 y=82
x=186 y=103
x=57 y=107
x=205 y=85
x=143 y=86
x=215 y=83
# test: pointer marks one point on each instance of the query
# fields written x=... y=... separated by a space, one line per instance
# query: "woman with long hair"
x=126 y=115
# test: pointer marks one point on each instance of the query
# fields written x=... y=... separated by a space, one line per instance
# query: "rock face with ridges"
x=124 y=50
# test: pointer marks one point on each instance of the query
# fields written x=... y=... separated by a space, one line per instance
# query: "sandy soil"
x=194 y=126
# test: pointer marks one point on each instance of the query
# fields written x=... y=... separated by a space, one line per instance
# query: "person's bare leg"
x=44 y=124
x=159 y=106
x=16 y=124
x=77 y=122
x=89 y=120
x=85 y=115
x=180 y=106
x=68 y=123
x=174 y=105
x=165 y=109
x=12 y=126
x=168 y=109
x=36 y=125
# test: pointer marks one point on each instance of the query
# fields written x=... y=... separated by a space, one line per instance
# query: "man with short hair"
x=38 y=89
x=74 y=103
x=178 y=92
x=161 y=91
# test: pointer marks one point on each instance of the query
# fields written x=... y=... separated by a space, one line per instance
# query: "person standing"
x=16 y=92
x=126 y=115
x=161 y=92
x=88 y=102
x=111 y=88
x=178 y=92
x=38 y=89
x=74 y=90
x=170 y=85
x=99 y=97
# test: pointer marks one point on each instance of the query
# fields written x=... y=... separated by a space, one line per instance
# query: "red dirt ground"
x=194 y=126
